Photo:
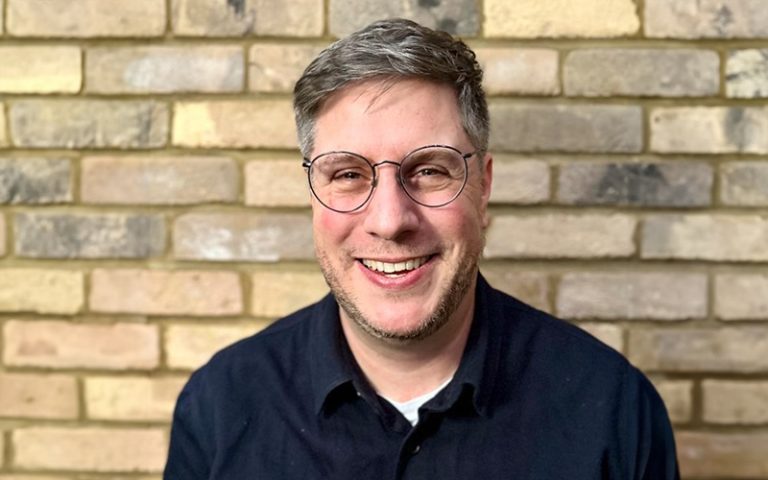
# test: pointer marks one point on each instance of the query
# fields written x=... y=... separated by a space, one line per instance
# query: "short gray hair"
x=392 y=49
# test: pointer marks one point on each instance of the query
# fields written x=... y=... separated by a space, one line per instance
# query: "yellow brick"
x=90 y=449
x=86 y=18
x=275 y=294
x=38 y=396
x=190 y=346
x=44 y=69
x=270 y=183
x=3 y=137
x=41 y=291
x=678 y=397
x=131 y=398
x=2 y=235
x=276 y=67
x=611 y=335
x=560 y=18
x=234 y=124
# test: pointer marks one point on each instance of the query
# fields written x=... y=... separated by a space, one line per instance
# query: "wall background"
x=152 y=207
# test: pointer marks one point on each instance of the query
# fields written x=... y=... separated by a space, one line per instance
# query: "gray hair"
x=392 y=49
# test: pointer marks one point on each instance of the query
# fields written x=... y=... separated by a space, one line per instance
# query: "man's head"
x=398 y=243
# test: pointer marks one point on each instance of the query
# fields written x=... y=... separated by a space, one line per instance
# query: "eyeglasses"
x=432 y=176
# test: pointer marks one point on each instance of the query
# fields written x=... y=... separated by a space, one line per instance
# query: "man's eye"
x=428 y=171
x=347 y=175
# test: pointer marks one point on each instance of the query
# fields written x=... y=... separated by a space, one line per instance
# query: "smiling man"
x=413 y=366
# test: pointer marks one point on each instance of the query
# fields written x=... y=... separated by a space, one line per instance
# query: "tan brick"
x=560 y=18
x=41 y=291
x=744 y=184
x=709 y=130
x=68 y=123
x=243 y=237
x=165 y=69
x=275 y=67
x=278 y=293
x=746 y=73
x=234 y=124
x=460 y=17
x=132 y=398
x=611 y=335
x=38 y=396
x=706 y=237
x=62 y=344
x=35 y=180
x=298 y=18
x=524 y=181
x=156 y=292
x=86 y=18
x=534 y=127
x=159 y=180
x=529 y=287
x=722 y=455
x=678 y=398
x=40 y=69
x=741 y=296
x=722 y=349
x=706 y=18
x=3 y=127
x=2 y=237
x=271 y=183
x=190 y=346
x=23 y=476
x=735 y=401
x=640 y=295
x=589 y=235
x=635 y=72
x=90 y=448
x=521 y=71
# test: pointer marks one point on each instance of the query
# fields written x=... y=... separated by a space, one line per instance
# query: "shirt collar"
x=333 y=366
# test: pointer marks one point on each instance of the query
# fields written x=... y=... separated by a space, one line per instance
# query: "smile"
x=399 y=267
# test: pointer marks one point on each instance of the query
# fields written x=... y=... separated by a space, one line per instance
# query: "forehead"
x=389 y=117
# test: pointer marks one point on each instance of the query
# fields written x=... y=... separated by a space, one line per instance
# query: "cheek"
x=329 y=227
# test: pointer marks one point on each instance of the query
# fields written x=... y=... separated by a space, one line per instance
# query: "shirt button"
x=416 y=450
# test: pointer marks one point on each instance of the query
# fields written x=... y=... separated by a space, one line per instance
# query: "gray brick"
x=521 y=71
x=524 y=181
x=165 y=69
x=642 y=72
x=706 y=19
x=744 y=184
x=569 y=128
x=55 y=235
x=460 y=17
x=641 y=295
x=725 y=349
x=678 y=184
x=741 y=296
x=746 y=73
x=243 y=237
x=297 y=18
x=542 y=236
x=35 y=180
x=742 y=238
x=709 y=130
x=88 y=123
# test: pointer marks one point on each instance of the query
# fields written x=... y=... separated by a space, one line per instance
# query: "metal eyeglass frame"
x=307 y=164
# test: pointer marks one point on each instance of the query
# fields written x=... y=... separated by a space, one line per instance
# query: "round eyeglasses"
x=432 y=176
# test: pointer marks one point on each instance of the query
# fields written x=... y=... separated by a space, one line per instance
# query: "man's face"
x=437 y=248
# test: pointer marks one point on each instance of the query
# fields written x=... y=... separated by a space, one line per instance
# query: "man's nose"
x=390 y=213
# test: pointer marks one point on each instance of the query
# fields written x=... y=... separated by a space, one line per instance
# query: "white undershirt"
x=410 y=408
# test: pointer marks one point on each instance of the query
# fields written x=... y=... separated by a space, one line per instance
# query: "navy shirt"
x=533 y=398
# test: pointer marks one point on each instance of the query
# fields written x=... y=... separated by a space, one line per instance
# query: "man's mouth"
x=395 y=268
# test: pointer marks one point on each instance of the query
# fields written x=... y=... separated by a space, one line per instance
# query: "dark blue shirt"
x=533 y=398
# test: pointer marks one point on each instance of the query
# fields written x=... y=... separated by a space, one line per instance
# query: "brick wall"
x=142 y=226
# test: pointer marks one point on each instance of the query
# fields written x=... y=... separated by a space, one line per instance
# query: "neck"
x=405 y=370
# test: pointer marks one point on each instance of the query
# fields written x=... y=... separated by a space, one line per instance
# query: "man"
x=413 y=367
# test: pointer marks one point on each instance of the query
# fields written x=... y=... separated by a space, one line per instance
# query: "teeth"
x=398 y=267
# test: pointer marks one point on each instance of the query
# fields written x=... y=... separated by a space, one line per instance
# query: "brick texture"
x=61 y=344
x=540 y=236
x=746 y=73
x=560 y=18
x=611 y=335
x=88 y=124
x=741 y=296
x=744 y=183
x=524 y=181
x=41 y=291
x=520 y=71
x=35 y=180
x=190 y=346
x=131 y=398
x=38 y=396
x=722 y=455
x=52 y=235
x=706 y=19
x=45 y=69
x=530 y=287
x=735 y=402
x=678 y=397
x=159 y=180
x=157 y=292
x=566 y=128
x=86 y=18
x=92 y=448
x=3 y=127
x=275 y=67
x=272 y=183
x=276 y=294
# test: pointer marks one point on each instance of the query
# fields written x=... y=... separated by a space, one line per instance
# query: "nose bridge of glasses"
x=375 y=167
